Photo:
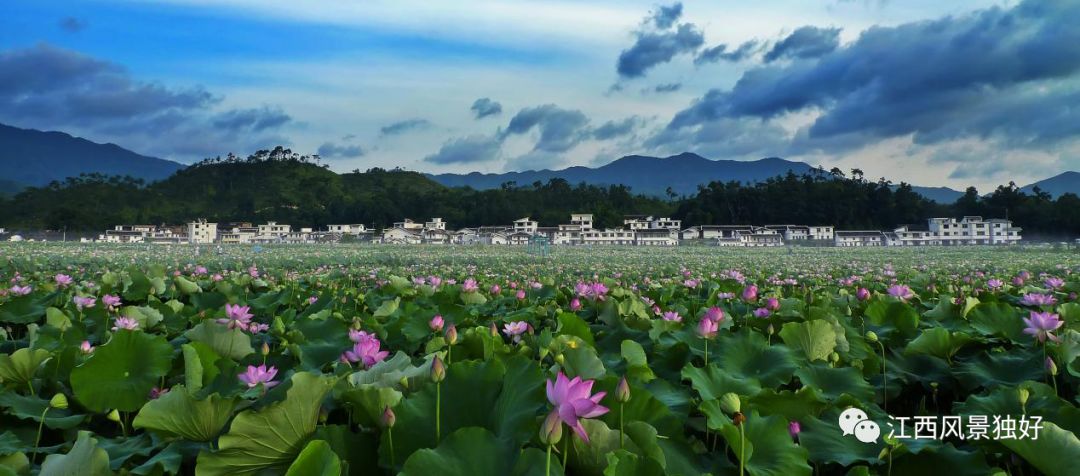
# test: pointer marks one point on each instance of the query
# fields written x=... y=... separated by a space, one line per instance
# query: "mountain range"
x=34 y=158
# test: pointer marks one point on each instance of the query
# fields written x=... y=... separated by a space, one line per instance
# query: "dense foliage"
x=483 y=361
x=290 y=188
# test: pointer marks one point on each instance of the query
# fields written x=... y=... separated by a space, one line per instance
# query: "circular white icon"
x=867 y=431
x=851 y=417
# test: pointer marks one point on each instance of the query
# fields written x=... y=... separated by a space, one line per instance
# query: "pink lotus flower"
x=520 y=295
x=83 y=302
x=470 y=285
x=794 y=428
x=200 y=270
x=495 y=289
x=216 y=277
x=358 y=336
x=1035 y=299
x=366 y=352
x=672 y=316
x=254 y=376
x=63 y=280
x=21 y=290
x=434 y=281
x=707 y=328
x=110 y=301
x=862 y=294
x=1041 y=324
x=994 y=283
x=85 y=347
x=125 y=323
x=714 y=314
x=236 y=317
x=1054 y=282
x=515 y=329
x=901 y=292
x=1018 y=281
x=749 y=293
x=772 y=304
x=762 y=312
x=157 y=392
x=573 y=400
x=436 y=323
x=312 y=300
x=575 y=305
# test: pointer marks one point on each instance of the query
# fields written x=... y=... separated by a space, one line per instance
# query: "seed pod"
x=59 y=401
x=871 y=337
x=730 y=403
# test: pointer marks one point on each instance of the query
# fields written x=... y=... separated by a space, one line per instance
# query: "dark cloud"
x=665 y=17
x=471 y=149
x=45 y=87
x=727 y=138
x=805 y=42
x=667 y=88
x=653 y=48
x=613 y=129
x=331 y=150
x=560 y=129
x=721 y=53
x=1005 y=74
x=485 y=107
x=402 y=127
x=72 y=24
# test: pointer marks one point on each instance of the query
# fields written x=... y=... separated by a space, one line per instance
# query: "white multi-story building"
x=127 y=234
x=525 y=225
x=657 y=237
x=435 y=224
x=648 y=222
x=570 y=233
x=791 y=232
x=355 y=229
x=608 y=236
x=822 y=232
x=973 y=230
x=852 y=238
x=273 y=231
x=199 y=231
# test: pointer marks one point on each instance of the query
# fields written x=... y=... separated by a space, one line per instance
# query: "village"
x=637 y=230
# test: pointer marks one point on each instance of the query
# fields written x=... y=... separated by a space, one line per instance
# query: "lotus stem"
x=438 y=412
x=622 y=433
x=37 y=439
x=706 y=352
x=565 y=451
x=885 y=380
x=742 y=449
x=390 y=437
x=547 y=463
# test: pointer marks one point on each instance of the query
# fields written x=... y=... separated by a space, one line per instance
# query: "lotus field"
x=365 y=360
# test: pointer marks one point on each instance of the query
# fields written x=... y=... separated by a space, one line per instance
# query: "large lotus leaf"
x=357 y=450
x=836 y=381
x=476 y=451
x=891 y=317
x=21 y=366
x=270 y=438
x=120 y=374
x=199 y=365
x=591 y=458
x=84 y=459
x=997 y=319
x=625 y=463
x=826 y=442
x=797 y=405
x=121 y=450
x=815 y=339
x=389 y=372
x=1042 y=401
x=571 y=324
x=770 y=451
x=644 y=407
x=711 y=382
x=9 y=443
x=14 y=464
x=582 y=362
x=938 y=342
x=146 y=316
x=944 y=459
x=637 y=364
x=31 y=408
x=24 y=309
x=230 y=343
x=751 y=357
x=473 y=298
x=1055 y=452
x=186 y=286
x=369 y=401
x=316 y=459
x=178 y=413
x=166 y=461
x=321 y=341
x=57 y=319
x=1002 y=368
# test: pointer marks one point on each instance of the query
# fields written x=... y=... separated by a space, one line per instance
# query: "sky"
x=934 y=93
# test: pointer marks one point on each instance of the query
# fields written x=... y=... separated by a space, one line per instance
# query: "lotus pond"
x=366 y=360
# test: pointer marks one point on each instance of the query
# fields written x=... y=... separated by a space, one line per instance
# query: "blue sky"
x=930 y=92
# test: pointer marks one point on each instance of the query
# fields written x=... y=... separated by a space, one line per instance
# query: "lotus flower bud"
x=871 y=337
x=622 y=391
x=451 y=334
x=114 y=416
x=559 y=359
x=771 y=330
x=494 y=330
x=265 y=349
x=794 y=428
x=862 y=294
x=730 y=403
x=388 y=418
x=1051 y=366
x=1022 y=395
x=438 y=370
x=59 y=401
x=404 y=382
x=551 y=429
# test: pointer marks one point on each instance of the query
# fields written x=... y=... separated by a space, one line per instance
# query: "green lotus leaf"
x=582 y=362
x=230 y=343
x=120 y=374
x=625 y=463
x=939 y=342
x=28 y=407
x=1004 y=368
x=269 y=438
x=637 y=364
x=476 y=451
x=147 y=316
x=749 y=356
x=793 y=405
x=186 y=286
x=84 y=459
x=711 y=382
x=179 y=413
x=571 y=324
x=826 y=442
x=199 y=365
x=357 y=450
x=20 y=366
x=770 y=449
x=388 y=307
x=14 y=464
x=815 y=339
x=166 y=461
x=836 y=381
x=24 y=309
x=56 y=318
x=893 y=317
x=316 y=459
x=389 y=372
x=943 y=459
x=997 y=319
x=1054 y=453
x=321 y=341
